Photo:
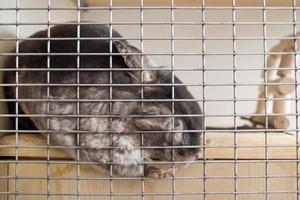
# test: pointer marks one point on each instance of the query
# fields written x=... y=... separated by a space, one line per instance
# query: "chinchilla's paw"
x=153 y=172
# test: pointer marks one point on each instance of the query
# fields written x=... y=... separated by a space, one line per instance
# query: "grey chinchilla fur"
x=101 y=132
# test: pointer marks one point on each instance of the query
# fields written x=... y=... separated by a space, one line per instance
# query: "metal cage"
x=238 y=59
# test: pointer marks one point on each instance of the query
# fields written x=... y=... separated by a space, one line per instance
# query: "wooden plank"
x=190 y=2
x=219 y=182
x=32 y=143
x=219 y=175
x=3 y=180
x=251 y=146
x=221 y=146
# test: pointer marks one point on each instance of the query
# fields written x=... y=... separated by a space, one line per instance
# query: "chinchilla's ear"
x=133 y=59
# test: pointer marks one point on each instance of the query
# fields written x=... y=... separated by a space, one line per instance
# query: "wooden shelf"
x=219 y=182
x=190 y=2
x=221 y=146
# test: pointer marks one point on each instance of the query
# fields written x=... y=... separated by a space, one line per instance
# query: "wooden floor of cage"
x=250 y=170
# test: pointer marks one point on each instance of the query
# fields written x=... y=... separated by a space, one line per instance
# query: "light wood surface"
x=191 y=2
x=189 y=183
x=220 y=146
x=65 y=181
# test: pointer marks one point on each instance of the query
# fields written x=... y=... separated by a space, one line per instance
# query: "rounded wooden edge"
x=220 y=146
x=29 y=145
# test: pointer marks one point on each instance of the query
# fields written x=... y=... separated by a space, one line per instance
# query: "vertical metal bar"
x=234 y=97
x=203 y=95
x=17 y=104
x=142 y=88
x=265 y=95
x=48 y=96
x=296 y=98
x=78 y=103
x=173 y=97
x=110 y=96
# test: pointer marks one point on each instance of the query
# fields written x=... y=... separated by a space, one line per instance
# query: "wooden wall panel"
x=219 y=183
x=3 y=180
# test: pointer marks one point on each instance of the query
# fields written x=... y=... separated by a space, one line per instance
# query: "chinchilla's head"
x=166 y=123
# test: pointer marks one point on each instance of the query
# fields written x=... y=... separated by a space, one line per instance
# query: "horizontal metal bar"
x=177 y=69
x=102 y=148
x=143 y=116
x=206 y=161
x=123 y=194
x=151 y=100
x=218 y=146
x=258 y=130
x=149 y=54
x=150 y=38
x=94 y=8
x=139 y=84
x=83 y=178
x=149 y=23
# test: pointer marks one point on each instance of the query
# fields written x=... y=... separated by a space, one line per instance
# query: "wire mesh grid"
x=87 y=113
